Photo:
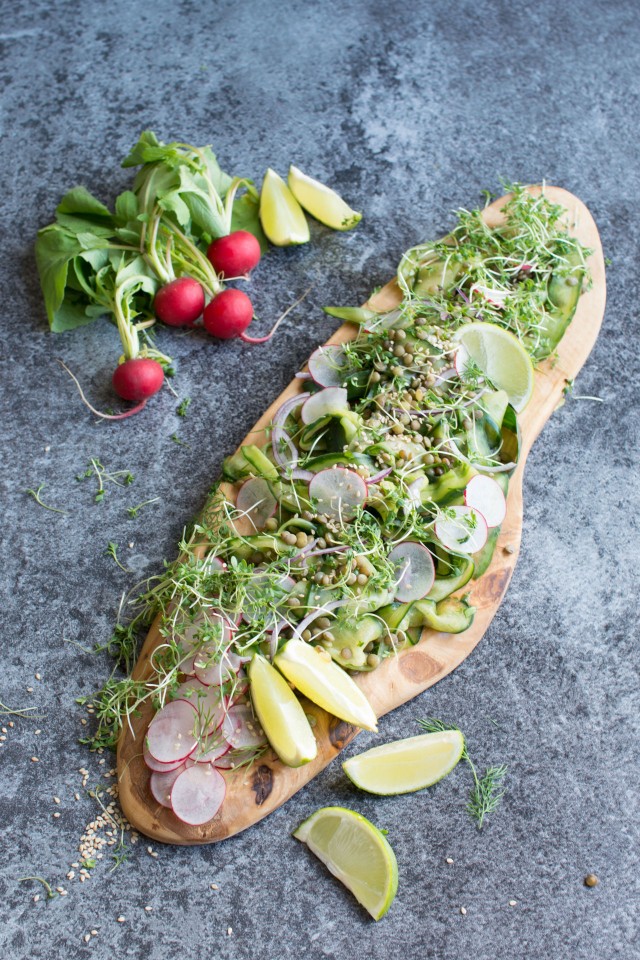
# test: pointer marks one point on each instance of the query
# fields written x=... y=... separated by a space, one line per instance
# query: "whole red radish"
x=180 y=302
x=234 y=255
x=228 y=315
x=138 y=379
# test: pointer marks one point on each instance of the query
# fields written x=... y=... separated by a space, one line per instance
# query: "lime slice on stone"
x=406 y=765
x=281 y=215
x=321 y=202
x=356 y=852
x=317 y=677
x=280 y=714
x=500 y=356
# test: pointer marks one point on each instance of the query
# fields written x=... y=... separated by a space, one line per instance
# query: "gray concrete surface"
x=410 y=110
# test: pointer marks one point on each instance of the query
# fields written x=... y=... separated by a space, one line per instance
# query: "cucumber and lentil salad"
x=377 y=498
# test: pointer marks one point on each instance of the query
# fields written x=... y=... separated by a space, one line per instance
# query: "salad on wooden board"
x=360 y=517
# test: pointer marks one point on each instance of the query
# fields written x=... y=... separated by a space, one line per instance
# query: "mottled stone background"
x=410 y=110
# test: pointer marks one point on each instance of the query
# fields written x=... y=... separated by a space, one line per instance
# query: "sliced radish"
x=214 y=565
x=256 y=501
x=212 y=749
x=415 y=569
x=171 y=734
x=338 y=492
x=330 y=402
x=327 y=365
x=485 y=495
x=213 y=671
x=241 y=728
x=155 y=765
x=443 y=376
x=226 y=762
x=197 y=794
x=208 y=703
x=161 y=784
x=465 y=531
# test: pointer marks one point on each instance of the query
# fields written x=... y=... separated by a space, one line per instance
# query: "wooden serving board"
x=255 y=791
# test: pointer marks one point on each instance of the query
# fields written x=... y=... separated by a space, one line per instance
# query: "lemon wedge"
x=317 y=677
x=280 y=714
x=281 y=215
x=321 y=202
x=500 y=356
x=356 y=852
x=404 y=766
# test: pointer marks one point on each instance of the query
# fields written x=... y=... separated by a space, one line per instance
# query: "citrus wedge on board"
x=316 y=676
x=500 y=356
x=280 y=714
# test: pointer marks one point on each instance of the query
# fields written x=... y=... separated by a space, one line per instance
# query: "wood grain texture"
x=254 y=792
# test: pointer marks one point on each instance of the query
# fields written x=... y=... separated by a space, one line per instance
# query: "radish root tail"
x=248 y=339
x=98 y=413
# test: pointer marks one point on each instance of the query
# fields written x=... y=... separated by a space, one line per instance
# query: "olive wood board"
x=255 y=791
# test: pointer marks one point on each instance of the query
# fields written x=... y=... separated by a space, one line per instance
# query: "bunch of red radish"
x=181 y=302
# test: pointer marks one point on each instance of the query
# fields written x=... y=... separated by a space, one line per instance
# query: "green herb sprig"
x=36 y=496
x=488 y=790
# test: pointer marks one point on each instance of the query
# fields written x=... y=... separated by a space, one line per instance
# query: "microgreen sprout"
x=51 y=893
x=121 y=478
x=183 y=406
x=134 y=511
x=36 y=496
x=112 y=551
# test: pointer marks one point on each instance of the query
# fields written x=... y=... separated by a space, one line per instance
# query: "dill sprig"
x=488 y=790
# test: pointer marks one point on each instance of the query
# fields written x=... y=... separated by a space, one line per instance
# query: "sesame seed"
x=148 y=909
x=94 y=933
x=36 y=898
x=449 y=859
x=214 y=886
x=35 y=760
x=56 y=799
x=463 y=911
x=37 y=676
x=87 y=937
x=56 y=814
x=29 y=689
x=512 y=903
x=120 y=919
x=229 y=931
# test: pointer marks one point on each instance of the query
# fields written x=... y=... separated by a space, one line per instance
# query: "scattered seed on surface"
x=591 y=880
x=87 y=937
x=29 y=689
x=214 y=886
x=229 y=931
x=35 y=760
x=148 y=909
x=513 y=903
x=463 y=911
x=508 y=548
x=449 y=859
x=120 y=919
x=56 y=814
x=37 y=676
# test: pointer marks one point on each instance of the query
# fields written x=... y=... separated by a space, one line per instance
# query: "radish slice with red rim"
x=338 y=493
x=330 y=402
x=327 y=365
x=415 y=570
x=155 y=765
x=171 y=734
x=211 y=750
x=225 y=762
x=207 y=701
x=197 y=794
x=161 y=784
x=256 y=501
x=462 y=530
x=241 y=728
x=214 y=669
x=485 y=495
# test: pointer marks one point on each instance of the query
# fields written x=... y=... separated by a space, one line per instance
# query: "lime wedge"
x=280 y=213
x=501 y=356
x=321 y=202
x=280 y=714
x=356 y=852
x=406 y=765
x=317 y=677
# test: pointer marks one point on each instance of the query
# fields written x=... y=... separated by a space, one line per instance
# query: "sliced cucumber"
x=353 y=635
x=445 y=586
x=453 y=615
x=248 y=460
